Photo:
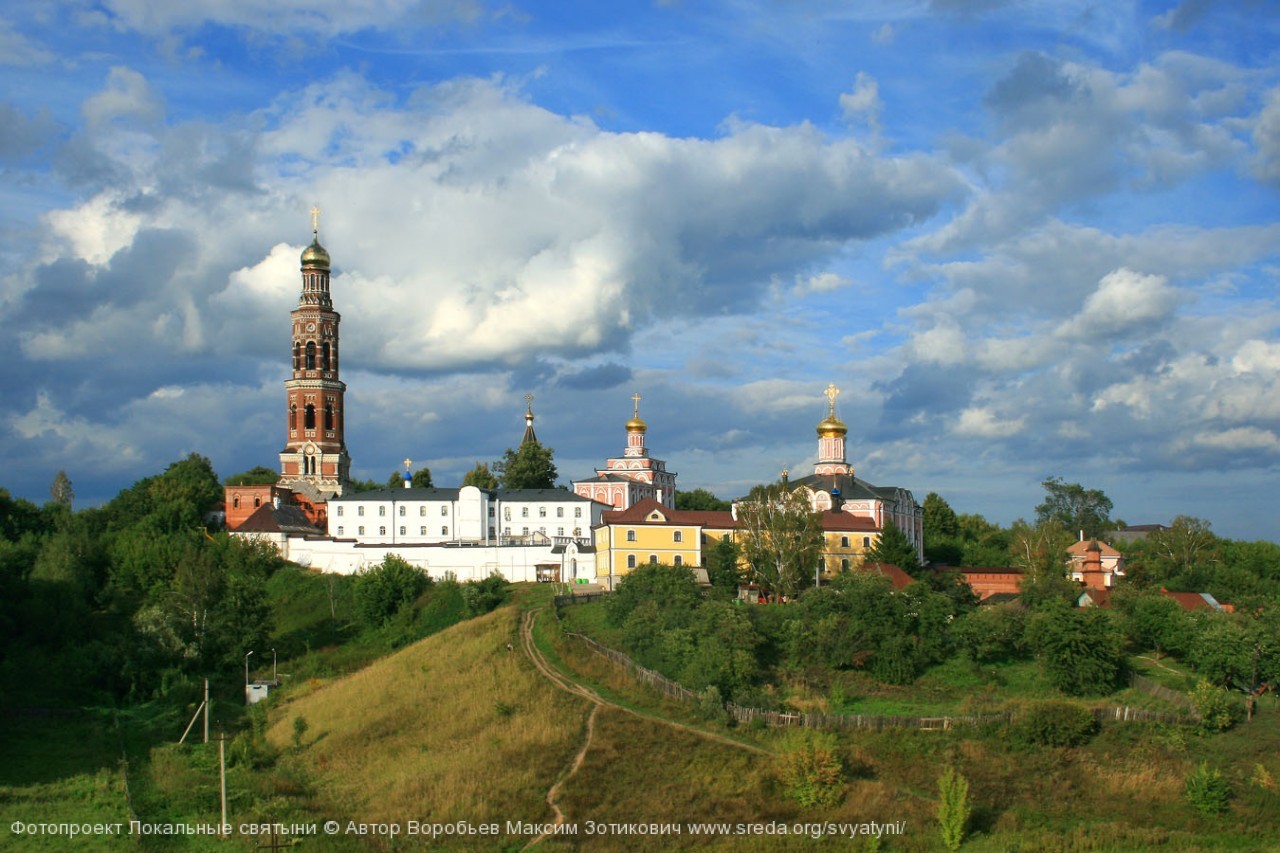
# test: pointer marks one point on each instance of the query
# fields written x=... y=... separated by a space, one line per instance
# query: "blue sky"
x=1024 y=239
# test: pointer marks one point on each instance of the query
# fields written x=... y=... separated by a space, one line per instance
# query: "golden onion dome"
x=636 y=425
x=315 y=255
x=831 y=426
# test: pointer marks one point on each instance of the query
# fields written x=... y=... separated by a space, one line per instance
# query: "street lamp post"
x=246 y=674
x=275 y=679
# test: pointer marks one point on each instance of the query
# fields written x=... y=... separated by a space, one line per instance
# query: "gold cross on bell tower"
x=831 y=393
x=635 y=398
x=315 y=221
x=528 y=403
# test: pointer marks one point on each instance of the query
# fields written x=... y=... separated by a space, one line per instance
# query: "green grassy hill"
x=454 y=727
x=462 y=726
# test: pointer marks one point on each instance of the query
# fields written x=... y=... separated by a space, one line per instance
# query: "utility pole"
x=206 y=710
x=222 y=778
x=246 y=676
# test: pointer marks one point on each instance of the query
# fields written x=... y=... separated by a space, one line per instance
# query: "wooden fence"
x=875 y=722
x=679 y=692
x=583 y=598
x=1146 y=685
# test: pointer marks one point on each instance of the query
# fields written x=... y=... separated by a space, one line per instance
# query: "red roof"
x=1081 y=546
x=639 y=512
x=1099 y=597
x=838 y=520
x=1194 y=600
x=899 y=578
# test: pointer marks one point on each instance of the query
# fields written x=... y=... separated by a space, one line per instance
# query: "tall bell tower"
x=314 y=458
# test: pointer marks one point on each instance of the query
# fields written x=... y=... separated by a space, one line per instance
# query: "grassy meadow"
x=455 y=727
x=458 y=726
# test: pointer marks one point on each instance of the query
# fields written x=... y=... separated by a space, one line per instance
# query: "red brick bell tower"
x=314 y=461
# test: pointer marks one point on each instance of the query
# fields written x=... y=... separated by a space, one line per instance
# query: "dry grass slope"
x=455 y=727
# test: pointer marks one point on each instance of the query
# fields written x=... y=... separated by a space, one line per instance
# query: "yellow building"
x=846 y=540
x=649 y=532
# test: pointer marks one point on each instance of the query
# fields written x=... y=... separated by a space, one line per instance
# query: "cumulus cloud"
x=862 y=104
x=585 y=236
x=982 y=422
x=1123 y=301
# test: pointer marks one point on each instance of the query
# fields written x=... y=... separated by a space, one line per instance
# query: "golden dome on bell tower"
x=315 y=255
x=636 y=424
x=831 y=426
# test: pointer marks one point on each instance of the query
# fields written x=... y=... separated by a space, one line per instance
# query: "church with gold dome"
x=632 y=477
x=833 y=487
x=315 y=518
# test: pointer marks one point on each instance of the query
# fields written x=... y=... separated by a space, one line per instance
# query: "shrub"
x=485 y=595
x=299 y=731
x=1080 y=650
x=1207 y=791
x=711 y=704
x=1055 y=724
x=954 y=807
x=811 y=770
x=382 y=590
x=1217 y=709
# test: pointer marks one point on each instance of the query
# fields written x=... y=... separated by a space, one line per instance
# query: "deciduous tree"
x=61 y=490
x=530 y=466
x=700 y=499
x=1074 y=507
x=781 y=538
x=259 y=475
x=480 y=477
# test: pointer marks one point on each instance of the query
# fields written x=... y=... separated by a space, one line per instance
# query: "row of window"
x=444 y=510
x=382 y=531
x=307 y=357
x=542 y=512
x=309 y=416
x=677 y=560
x=444 y=531
x=676 y=536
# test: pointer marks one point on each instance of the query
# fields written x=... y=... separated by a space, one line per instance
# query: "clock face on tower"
x=311 y=327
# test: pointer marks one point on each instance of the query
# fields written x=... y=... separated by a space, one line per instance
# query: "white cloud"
x=1124 y=300
x=944 y=343
x=1240 y=438
x=77 y=437
x=982 y=422
x=127 y=95
x=863 y=104
x=826 y=282
x=18 y=50
x=325 y=17
x=1266 y=139
x=95 y=229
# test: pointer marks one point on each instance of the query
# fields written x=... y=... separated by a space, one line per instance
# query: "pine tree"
x=894 y=547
